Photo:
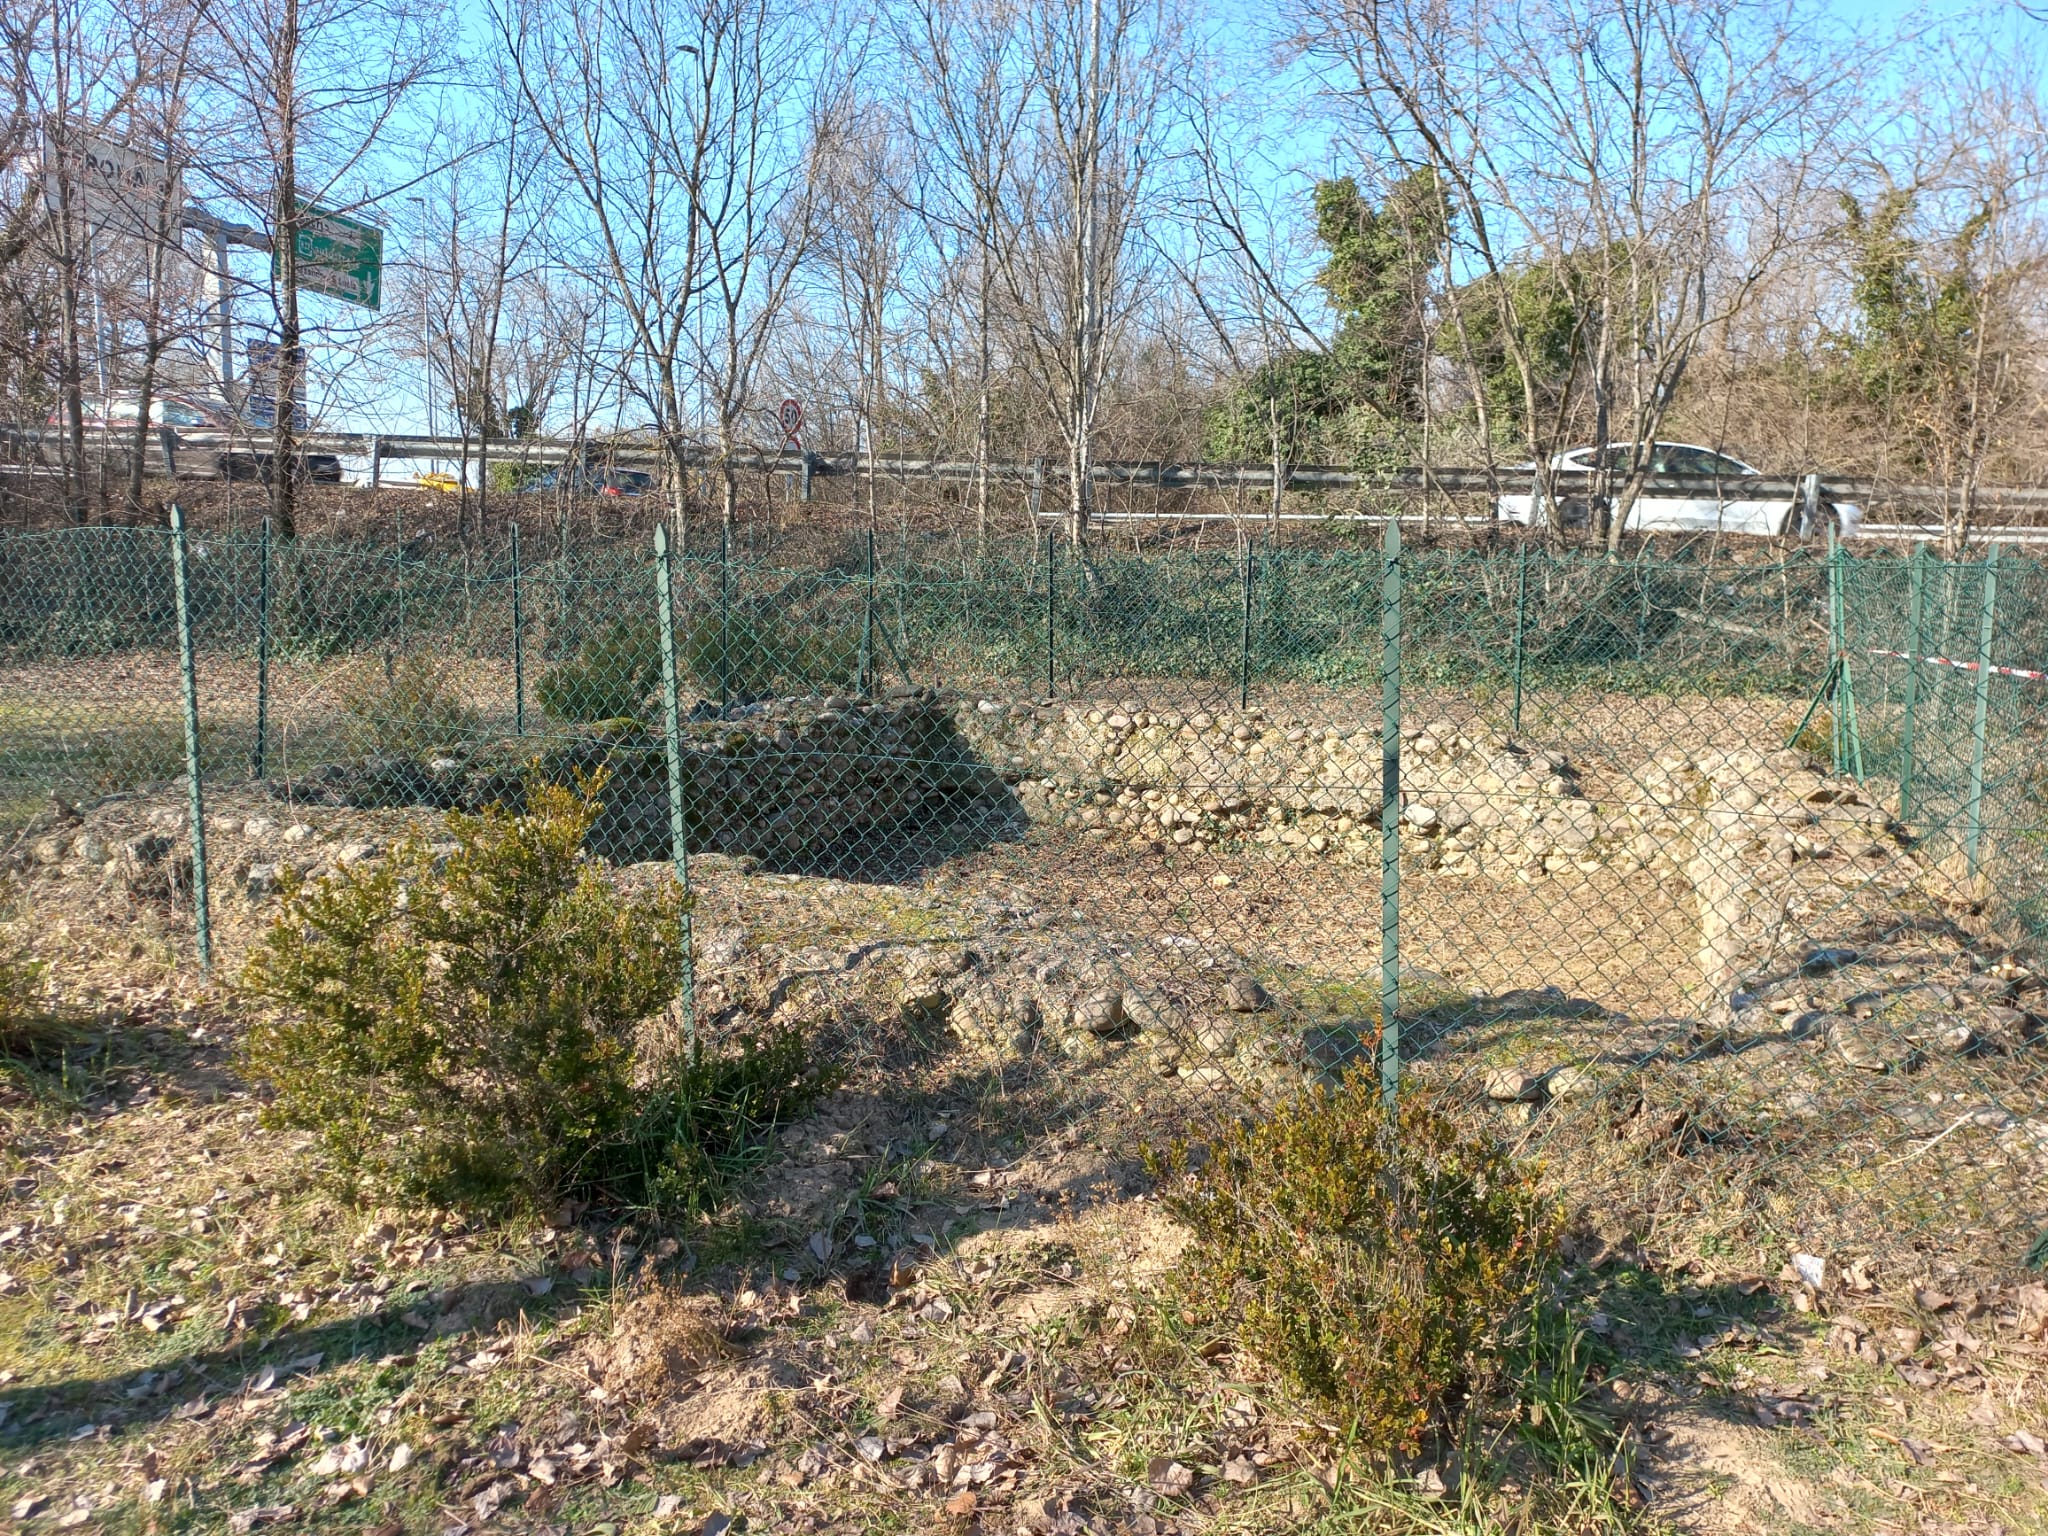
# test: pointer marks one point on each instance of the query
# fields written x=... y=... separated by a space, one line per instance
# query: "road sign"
x=338 y=256
x=792 y=417
x=111 y=186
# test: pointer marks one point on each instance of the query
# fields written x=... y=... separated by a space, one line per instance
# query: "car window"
x=172 y=413
x=1721 y=464
x=124 y=410
x=1678 y=459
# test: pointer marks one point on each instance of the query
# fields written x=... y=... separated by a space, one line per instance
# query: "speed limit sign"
x=792 y=417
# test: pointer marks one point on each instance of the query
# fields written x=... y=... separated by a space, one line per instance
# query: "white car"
x=1688 y=512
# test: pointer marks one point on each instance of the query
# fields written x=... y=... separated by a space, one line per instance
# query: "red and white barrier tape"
x=2024 y=673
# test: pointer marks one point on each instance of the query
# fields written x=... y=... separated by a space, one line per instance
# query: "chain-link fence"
x=1713 y=880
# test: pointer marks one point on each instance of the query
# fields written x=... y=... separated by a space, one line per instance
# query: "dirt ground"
x=948 y=1300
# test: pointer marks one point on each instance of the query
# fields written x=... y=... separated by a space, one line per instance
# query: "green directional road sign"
x=338 y=255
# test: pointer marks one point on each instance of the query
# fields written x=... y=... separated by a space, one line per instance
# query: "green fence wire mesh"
x=1715 y=882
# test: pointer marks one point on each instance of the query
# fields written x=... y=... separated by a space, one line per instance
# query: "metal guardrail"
x=201 y=451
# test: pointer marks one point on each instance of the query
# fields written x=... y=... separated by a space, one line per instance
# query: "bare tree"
x=680 y=132
x=968 y=98
x=862 y=237
x=1072 y=264
x=1619 y=143
x=317 y=86
x=1947 y=251
x=77 y=84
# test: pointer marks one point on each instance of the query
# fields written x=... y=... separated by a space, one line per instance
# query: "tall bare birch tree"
x=1073 y=264
x=680 y=132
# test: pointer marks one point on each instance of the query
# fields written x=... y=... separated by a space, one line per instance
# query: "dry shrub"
x=33 y=1030
x=1380 y=1263
x=403 y=706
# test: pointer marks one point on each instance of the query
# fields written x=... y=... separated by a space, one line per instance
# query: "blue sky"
x=1240 y=25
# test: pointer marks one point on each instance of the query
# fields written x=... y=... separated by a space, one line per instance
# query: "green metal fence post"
x=1244 y=636
x=1837 y=736
x=1980 y=723
x=724 y=616
x=1521 y=626
x=672 y=741
x=1052 y=566
x=262 y=652
x=1390 y=813
x=1916 y=640
x=181 y=583
x=1848 y=732
x=398 y=570
x=518 y=644
x=867 y=621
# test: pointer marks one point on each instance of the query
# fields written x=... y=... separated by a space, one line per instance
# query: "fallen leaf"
x=891 y=1404
x=667 y=1504
x=1241 y=1470
x=961 y=1505
x=2026 y=1444
x=261 y=1514
x=1168 y=1476
x=401 y=1457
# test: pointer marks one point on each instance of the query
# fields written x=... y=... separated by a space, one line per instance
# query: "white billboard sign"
x=112 y=186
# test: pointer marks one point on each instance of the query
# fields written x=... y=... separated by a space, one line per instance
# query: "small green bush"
x=464 y=1031
x=1378 y=1263
x=403 y=705
x=511 y=475
x=613 y=674
x=610 y=676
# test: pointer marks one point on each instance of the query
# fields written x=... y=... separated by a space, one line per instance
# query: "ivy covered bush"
x=1378 y=1263
x=465 y=1029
